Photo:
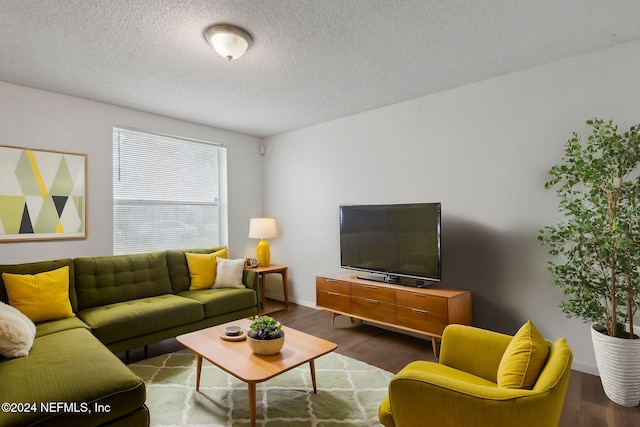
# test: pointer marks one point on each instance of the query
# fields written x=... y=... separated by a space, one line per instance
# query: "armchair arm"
x=473 y=350
x=443 y=396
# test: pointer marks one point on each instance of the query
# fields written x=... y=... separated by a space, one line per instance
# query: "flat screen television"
x=397 y=243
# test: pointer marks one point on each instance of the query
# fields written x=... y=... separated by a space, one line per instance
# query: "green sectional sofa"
x=71 y=375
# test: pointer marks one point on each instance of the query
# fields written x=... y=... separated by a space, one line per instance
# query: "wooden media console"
x=425 y=311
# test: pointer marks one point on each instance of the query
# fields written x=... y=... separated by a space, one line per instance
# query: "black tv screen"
x=395 y=241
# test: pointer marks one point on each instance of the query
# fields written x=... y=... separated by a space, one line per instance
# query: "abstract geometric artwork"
x=42 y=195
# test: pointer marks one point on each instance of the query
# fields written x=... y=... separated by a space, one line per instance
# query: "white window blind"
x=166 y=192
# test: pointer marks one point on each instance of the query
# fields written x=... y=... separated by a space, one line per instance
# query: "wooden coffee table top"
x=236 y=358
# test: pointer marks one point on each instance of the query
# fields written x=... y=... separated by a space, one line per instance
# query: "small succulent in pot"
x=265 y=328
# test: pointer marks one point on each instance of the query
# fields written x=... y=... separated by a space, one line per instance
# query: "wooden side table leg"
x=285 y=287
x=198 y=371
x=333 y=319
x=434 y=344
x=252 y=403
x=263 y=286
x=312 y=366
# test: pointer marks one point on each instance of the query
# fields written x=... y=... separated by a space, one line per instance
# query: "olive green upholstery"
x=221 y=301
x=71 y=367
x=127 y=319
x=121 y=302
x=111 y=279
x=47 y=328
x=461 y=390
x=134 y=300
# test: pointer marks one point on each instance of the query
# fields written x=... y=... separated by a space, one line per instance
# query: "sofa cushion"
x=179 y=269
x=203 y=268
x=69 y=367
x=47 y=328
x=17 y=332
x=39 y=267
x=229 y=273
x=115 y=322
x=42 y=296
x=523 y=359
x=221 y=301
x=111 y=279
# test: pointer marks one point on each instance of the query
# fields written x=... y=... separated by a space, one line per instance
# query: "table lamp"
x=262 y=228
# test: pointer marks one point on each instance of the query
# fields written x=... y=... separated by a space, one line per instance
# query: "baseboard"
x=587 y=369
x=310 y=304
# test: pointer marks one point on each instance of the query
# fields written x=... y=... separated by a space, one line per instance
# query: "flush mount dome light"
x=229 y=41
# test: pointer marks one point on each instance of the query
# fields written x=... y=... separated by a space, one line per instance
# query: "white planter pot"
x=618 y=361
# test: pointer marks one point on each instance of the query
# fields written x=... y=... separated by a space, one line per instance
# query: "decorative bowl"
x=266 y=347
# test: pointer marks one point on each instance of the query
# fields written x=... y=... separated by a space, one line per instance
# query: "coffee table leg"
x=312 y=365
x=252 y=403
x=198 y=370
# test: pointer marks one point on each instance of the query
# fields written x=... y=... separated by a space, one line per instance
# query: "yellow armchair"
x=462 y=389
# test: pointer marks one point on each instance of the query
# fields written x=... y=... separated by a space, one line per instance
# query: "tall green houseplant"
x=598 y=243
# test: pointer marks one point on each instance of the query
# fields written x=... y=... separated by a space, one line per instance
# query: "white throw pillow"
x=229 y=273
x=17 y=332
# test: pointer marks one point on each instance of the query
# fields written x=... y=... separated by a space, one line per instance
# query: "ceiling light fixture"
x=229 y=41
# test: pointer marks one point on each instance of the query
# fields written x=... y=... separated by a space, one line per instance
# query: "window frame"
x=119 y=202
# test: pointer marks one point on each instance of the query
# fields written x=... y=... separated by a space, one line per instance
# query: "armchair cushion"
x=523 y=359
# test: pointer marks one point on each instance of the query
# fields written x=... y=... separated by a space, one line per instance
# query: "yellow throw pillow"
x=40 y=297
x=202 y=268
x=523 y=359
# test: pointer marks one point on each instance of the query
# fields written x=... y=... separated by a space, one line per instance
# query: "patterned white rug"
x=349 y=393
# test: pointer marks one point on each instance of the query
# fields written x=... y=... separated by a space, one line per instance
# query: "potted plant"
x=265 y=336
x=598 y=245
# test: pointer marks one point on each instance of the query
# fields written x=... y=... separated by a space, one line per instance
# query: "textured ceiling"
x=311 y=61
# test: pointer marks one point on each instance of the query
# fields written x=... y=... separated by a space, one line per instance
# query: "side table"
x=277 y=269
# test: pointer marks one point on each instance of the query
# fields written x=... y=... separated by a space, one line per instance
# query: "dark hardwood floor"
x=585 y=405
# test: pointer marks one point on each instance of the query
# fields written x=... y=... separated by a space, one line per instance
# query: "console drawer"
x=373 y=292
x=333 y=301
x=333 y=285
x=422 y=320
x=425 y=302
x=373 y=309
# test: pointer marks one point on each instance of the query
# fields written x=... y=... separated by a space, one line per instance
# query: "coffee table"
x=237 y=359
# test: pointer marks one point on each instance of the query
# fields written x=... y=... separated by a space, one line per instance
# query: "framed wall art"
x=42 y=195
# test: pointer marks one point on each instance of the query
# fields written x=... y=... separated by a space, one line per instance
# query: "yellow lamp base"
x=262 y=252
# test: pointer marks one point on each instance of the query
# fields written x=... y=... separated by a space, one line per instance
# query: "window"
x=166 y=193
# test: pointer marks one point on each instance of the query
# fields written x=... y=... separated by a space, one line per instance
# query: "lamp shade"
x=262 y=228
x=230 y=42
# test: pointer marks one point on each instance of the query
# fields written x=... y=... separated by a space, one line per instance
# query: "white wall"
x=37 y=119
x=483 y=151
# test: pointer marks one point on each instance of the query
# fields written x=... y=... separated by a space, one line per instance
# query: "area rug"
x=349 y=393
